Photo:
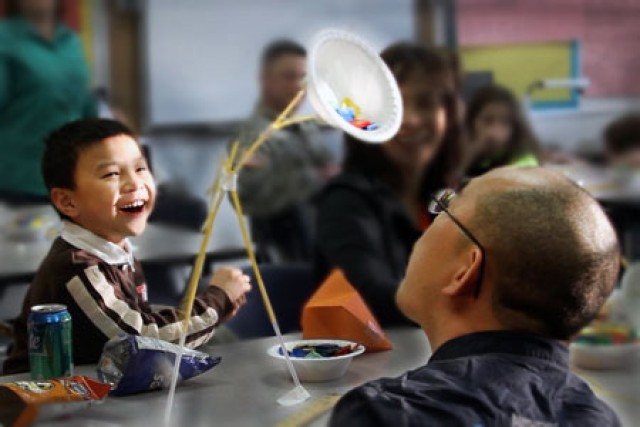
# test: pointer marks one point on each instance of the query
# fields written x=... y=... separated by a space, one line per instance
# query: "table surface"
x=243 y=389
x=604 y=184
x=622 y=198
x=158 y=244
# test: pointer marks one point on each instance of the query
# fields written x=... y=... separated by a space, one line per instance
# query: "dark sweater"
x=364 y=229
x=103 y=300
x=494 y=378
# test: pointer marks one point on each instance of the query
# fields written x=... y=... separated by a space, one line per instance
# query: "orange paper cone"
x=337 y=311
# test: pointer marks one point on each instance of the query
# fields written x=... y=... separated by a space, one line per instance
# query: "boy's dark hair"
x=623 y=134
x=62 y=146
x=280 y=48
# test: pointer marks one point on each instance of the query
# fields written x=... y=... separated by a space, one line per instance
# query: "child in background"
x=99 y=182
x=622 y=142
x=498 y=132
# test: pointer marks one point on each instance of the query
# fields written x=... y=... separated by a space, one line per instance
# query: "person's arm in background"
x=90 y=102
x=323 y=157
x=254 y=179
x=4 y=72
x=273 y=176
x=90 y=105
x=350 y=237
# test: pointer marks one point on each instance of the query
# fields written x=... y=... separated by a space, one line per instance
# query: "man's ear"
x=465 y=279
x=63 y=200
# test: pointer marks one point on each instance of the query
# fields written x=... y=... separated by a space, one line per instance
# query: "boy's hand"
x=234 y=283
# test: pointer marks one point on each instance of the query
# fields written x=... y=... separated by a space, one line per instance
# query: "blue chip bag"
x=134 y=364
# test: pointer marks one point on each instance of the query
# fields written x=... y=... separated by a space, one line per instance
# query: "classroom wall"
x=190 y=157
x=608 y=31
x=201 y=56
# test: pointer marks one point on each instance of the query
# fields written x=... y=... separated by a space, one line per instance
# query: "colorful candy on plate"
x=350 y=111
x=607 y=334
x=320 y=351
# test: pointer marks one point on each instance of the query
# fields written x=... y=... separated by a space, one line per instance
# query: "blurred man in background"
x=276 y=185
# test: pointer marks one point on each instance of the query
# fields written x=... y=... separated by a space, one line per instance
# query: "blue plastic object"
x=135 y=364
x=347 y=113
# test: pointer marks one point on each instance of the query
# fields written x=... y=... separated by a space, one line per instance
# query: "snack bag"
x=24 y=402
x=337 y=311
x=134 y=364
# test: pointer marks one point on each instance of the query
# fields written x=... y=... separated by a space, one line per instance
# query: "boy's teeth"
x=136 y=204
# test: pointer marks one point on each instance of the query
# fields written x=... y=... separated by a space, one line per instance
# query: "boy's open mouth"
x=133 y=207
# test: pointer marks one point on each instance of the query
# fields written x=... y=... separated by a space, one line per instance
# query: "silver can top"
x=48 y=308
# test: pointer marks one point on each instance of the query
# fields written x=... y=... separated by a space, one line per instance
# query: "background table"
x=157 y=245
x=243 y=389
x=618 y=195
x=619 y=388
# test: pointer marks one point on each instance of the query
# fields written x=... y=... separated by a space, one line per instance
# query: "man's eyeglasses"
x=439 y=204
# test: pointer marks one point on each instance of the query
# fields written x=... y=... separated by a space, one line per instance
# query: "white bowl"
x=614 y=356
x=317 y=370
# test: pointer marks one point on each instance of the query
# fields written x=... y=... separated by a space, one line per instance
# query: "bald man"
x=509 y=271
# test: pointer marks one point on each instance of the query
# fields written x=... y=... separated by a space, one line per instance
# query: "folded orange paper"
x=336 y=311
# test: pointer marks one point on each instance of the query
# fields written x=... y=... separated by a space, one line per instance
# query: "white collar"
x=107 y=251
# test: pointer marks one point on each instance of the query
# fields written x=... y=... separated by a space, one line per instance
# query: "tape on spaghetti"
x=229 y=181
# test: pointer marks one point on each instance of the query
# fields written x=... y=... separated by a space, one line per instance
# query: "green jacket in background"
x=518 y=160
x=43 y=85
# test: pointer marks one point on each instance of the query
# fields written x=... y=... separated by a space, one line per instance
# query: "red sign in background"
x=608 y=30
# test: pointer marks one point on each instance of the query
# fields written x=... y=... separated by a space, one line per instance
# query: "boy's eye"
x=110 y=174
x=141 y=169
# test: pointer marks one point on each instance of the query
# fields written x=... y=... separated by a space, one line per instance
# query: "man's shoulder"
x=417 y=398
x=444 y=394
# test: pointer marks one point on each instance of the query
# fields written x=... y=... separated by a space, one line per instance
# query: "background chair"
x=289 y=287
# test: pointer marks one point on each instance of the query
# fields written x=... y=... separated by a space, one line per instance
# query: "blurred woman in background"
x=498 y=132
x=44 y=83
x=372 y=213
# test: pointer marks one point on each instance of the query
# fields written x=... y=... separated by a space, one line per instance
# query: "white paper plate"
x=342 y=65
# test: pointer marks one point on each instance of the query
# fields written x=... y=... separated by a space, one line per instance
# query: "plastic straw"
x=298 y=394
x=265 y=298
x=187 y=305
